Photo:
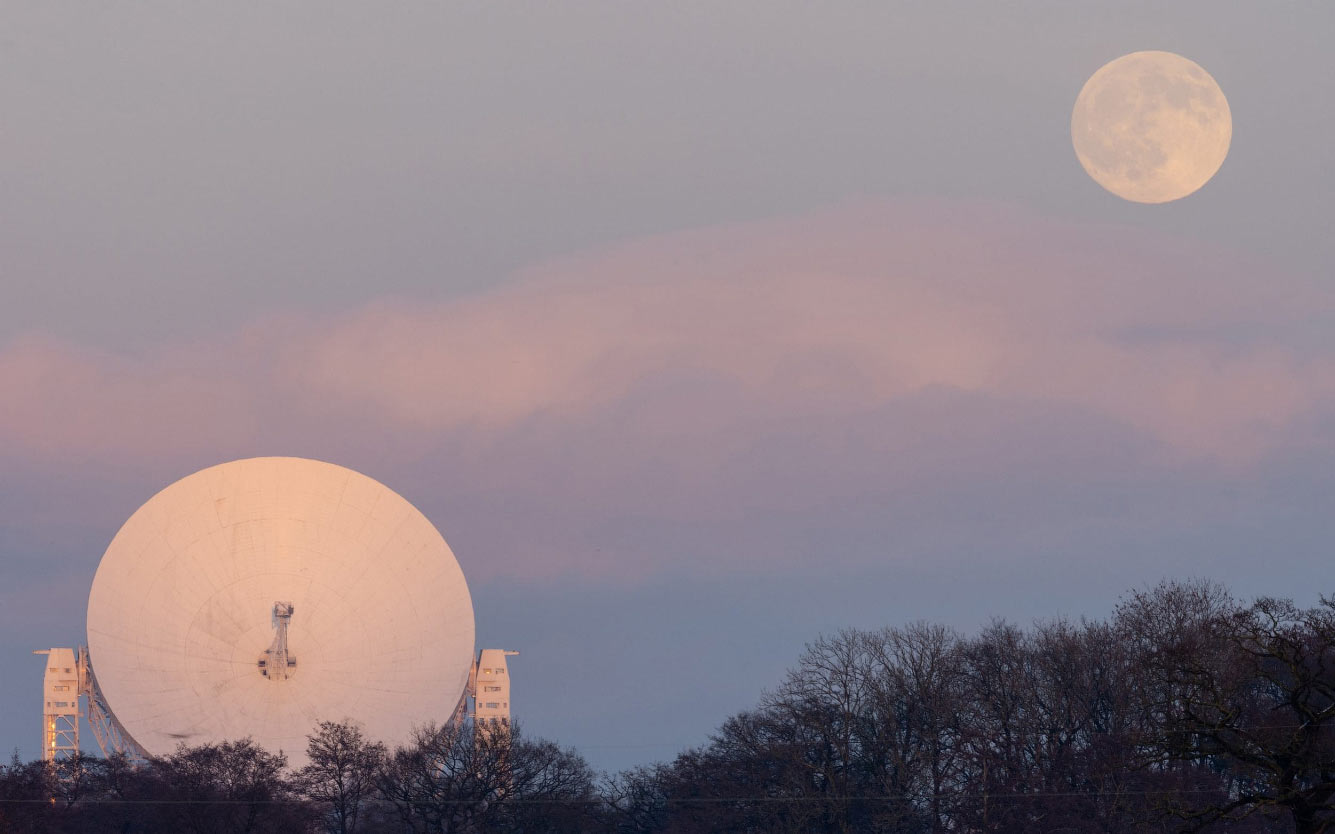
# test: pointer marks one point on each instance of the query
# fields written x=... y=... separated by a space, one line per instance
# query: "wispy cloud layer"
x=716 y=377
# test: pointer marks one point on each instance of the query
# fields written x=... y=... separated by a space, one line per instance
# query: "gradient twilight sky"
x=698 y=329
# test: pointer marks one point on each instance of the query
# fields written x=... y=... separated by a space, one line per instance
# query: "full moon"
x=1151 y=127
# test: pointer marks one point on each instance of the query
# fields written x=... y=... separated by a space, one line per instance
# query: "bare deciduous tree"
x=1246 y=691
x=486 y=777
x=340 y=777
x=234 y=787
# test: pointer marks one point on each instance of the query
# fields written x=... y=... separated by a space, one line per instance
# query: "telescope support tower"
x=69 y=676
x=489 y=684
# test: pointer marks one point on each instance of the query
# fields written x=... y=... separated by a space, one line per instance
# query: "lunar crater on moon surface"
x=1151 y=127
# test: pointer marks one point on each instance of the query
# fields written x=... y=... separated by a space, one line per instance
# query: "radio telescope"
x=260 y=597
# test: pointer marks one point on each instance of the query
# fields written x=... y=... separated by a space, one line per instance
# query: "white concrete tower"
x=491 y=687
x=60 y=709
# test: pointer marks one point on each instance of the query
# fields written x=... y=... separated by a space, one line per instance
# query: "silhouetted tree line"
x=446 y=779
x=1185 y=711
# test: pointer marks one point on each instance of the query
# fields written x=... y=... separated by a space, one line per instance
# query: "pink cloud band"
x=835 y=313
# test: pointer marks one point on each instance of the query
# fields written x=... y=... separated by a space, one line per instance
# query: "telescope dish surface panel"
x=182 y=610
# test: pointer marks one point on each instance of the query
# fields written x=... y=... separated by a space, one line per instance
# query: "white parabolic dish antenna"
x=188 y=604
